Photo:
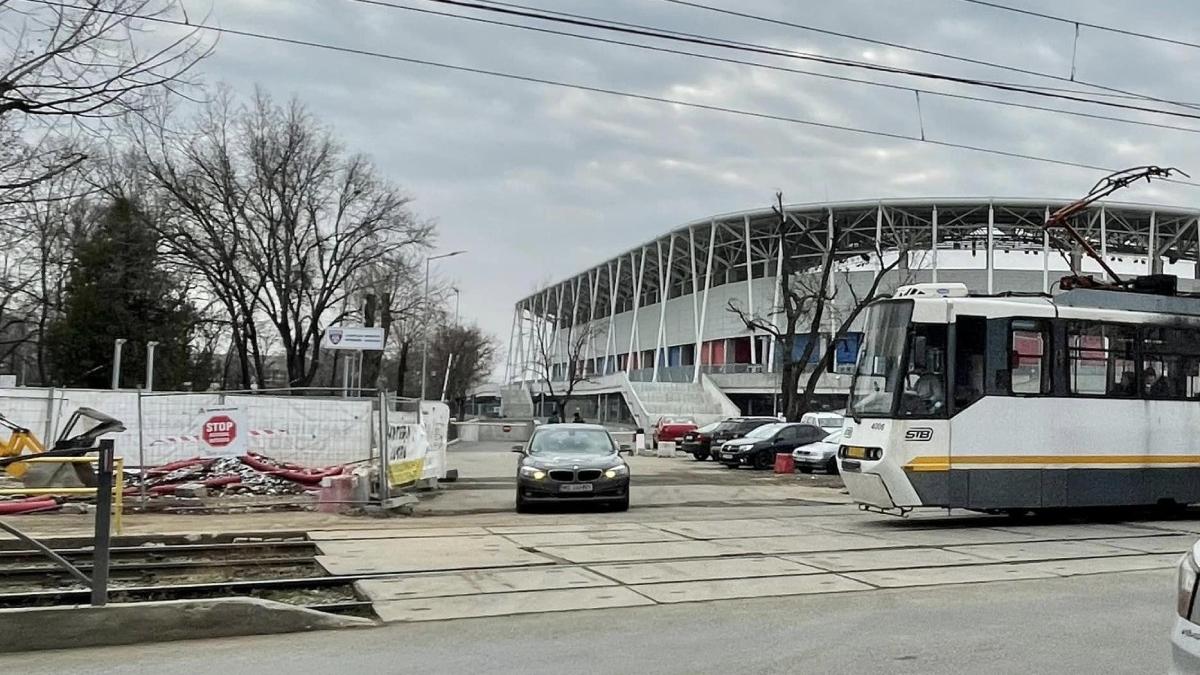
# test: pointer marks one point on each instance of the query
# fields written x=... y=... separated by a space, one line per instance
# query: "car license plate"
x=576 y=487
x=856 y=452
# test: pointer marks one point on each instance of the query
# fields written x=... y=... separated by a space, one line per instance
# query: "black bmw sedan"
x=572 y=462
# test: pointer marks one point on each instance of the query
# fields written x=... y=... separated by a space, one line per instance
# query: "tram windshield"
x=878 y=376
x=902 y=370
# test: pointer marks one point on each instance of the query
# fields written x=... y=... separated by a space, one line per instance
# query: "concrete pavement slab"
x=805 y=543
x=1173 y=525
x=729 y=529
x=944 y=536
x=696 y=570
x=724 y=589
x=938 y=576
x=563 y=527
x=479 y=582
x=542 y=539
x=1077 y=531
x=397 y=533
x=890 y=559
x=1177 y=544
x=1128 y=563
x=600 y=553
x=365 y=556
x=1041 y=550
x=499 y=604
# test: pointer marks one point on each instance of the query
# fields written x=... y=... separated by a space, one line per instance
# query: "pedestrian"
x=577 y=419
x=554 y=418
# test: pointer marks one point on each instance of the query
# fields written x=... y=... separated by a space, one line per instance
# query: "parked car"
x=737 y=427
x=759 y=447
x=572 y=462
x=671 y=429
x=829 y=421
x=819 y=455
x=1185 y=637
x=698 y=442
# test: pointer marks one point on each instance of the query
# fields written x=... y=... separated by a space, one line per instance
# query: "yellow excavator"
x=22 y=441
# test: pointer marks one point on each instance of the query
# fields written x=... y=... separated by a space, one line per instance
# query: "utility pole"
x=425 y=327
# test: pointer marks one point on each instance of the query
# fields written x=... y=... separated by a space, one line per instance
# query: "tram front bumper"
x=866 y=488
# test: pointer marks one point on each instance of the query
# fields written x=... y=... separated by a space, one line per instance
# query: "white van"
x=826 y=420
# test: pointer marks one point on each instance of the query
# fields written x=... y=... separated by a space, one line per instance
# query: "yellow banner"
x=405 y=471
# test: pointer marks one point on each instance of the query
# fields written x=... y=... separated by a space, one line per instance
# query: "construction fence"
x=162 y=427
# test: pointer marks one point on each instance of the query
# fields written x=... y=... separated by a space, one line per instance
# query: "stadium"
x=653 y=328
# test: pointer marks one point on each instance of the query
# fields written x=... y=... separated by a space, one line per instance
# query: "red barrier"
x=784 y=463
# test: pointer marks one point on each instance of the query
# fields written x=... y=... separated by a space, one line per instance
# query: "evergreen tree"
x=118 y=287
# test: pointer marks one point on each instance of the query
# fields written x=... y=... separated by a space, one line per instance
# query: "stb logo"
x=919 y=434
x=335 y=336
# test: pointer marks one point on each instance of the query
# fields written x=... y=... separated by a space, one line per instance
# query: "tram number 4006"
x=918 y=434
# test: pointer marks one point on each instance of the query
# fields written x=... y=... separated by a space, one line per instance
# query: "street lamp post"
x=150 y=364
x=457 y=297
x=116 y=367
x=425 y=327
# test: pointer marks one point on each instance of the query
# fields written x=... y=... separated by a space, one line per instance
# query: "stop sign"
x=219 y=431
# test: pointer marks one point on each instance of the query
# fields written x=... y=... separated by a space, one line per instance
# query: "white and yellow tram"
x=1089 y=398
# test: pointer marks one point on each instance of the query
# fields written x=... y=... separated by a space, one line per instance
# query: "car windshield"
x=835 y=437
x=558 y=441
x=708 y=428
x=765 y=431
x=877 y=376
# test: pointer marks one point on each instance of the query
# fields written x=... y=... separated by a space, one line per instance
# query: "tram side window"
x=1028 y=350
x=1101 y=359
x=1170 y=363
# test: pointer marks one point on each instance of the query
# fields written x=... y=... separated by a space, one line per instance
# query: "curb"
x=67 y=627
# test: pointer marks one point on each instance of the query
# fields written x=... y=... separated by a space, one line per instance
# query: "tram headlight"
x=1186 y=586
x=859 y=452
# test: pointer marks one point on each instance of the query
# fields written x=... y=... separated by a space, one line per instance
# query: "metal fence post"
x=384 y=484
x=103 y=537
x=141 y=422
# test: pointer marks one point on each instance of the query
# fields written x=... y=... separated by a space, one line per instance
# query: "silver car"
x=821 y=455
x=1185 y=637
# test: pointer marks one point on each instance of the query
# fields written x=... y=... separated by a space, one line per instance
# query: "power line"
x=918 y=50
x=580 y=87
x=841 y=78
x=1085 y=24
x=590 y=22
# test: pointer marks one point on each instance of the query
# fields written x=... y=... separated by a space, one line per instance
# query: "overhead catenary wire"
x=1085 y=24
x=581 y=87
x=756 y=64
x=807 y=56
x=920 y=50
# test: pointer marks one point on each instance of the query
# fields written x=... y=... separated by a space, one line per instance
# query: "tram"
x=1087 y=398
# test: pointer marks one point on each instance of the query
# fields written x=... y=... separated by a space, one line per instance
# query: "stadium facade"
x=661 y=339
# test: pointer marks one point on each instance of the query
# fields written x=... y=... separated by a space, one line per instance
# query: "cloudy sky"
x=538 y=182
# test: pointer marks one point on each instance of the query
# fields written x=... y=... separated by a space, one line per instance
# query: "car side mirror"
x=624 y=448
x=519 y=448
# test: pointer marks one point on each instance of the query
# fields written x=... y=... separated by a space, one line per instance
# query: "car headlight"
x=532 y=472
x=1186 y=587
x=618 y=470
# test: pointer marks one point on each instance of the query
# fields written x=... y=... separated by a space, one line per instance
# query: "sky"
x=539 y=182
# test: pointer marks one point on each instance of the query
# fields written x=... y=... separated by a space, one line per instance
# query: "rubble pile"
x=250 y=474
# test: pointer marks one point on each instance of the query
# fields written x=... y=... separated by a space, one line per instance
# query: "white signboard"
x=435 y=418
x=356 y=338
x=222 y=432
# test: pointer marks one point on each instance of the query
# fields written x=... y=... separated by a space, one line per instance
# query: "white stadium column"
x=637 y=301
x=712 y=244
x=1153 y=263
x=779 y=281
x=991 y=247
x=934 y=246
x=1046 y=255
x=750 y=287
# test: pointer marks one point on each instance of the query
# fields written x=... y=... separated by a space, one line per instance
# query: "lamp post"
x=457 y=297
x=425 y=327
x=116 y=367
x=150 y=364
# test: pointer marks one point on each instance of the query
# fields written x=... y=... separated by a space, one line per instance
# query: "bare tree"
x=559 y=346
x=460 y=358
x=278 y=220
x=69 y=65
x=807 y=298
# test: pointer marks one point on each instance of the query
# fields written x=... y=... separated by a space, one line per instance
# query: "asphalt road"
x=1110 y=623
